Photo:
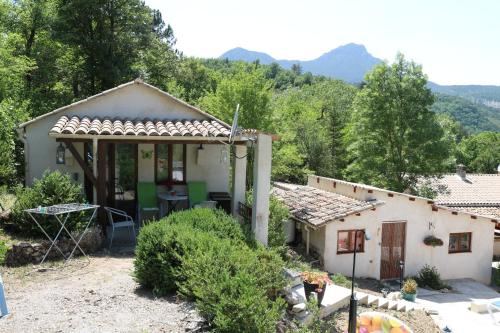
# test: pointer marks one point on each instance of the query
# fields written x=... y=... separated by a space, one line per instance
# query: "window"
x=345 y=241
x=170 y=163
x=460 y=242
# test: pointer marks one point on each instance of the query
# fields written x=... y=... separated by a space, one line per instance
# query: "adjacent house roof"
x=121 y=127
x=474 y=193
x=317 y=207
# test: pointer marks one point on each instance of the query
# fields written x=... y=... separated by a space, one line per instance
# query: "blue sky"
x=457 y=42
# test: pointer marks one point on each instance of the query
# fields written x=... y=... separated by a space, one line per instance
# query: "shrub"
x=54 y=188
x=3 y=251
x=429 y=276
x=341 y=280
x=201 y=254
x=278 y=213
x=410 y=286
x=433 y=241
x=214 y=221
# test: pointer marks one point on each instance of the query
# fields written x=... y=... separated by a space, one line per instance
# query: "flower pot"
x=408 y=297
x=310 y=287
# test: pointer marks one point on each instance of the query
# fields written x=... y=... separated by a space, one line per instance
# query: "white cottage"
x=329 y=211
x=138 y=133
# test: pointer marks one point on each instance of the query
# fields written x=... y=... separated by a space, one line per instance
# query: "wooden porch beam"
x=81 y=162
x=151 y=141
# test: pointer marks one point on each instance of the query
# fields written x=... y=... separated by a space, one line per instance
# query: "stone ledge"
x=32 y=252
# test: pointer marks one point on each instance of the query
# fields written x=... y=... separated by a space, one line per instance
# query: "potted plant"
x=433 y=241
x=315 y=281
x=409 y=291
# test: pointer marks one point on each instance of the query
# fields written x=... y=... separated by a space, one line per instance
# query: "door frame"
x=404 y=222
x=111 y=176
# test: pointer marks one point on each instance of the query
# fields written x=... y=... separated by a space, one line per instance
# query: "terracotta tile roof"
x=493 y=211
x=106 y=126
x=476 y=193
x=318 y=207
x=473 y=189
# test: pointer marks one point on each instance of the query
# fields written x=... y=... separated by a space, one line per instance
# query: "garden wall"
x=32 y=252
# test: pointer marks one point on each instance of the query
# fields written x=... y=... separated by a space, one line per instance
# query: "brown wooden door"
x=393 y=249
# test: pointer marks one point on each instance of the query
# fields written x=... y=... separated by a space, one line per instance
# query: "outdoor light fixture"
x=61 y=154
x=353 y=303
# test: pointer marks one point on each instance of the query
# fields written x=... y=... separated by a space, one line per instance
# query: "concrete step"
x=335 y=298
x=382 y=303
x=372 y=299
x=362 y=297
x=392 y=305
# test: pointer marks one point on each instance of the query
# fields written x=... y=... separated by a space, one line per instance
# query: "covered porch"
x=117 y=155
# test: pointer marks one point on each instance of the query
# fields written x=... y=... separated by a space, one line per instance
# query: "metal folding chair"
x=125 y=221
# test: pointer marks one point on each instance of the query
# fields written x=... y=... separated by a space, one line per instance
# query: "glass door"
x=125 y=167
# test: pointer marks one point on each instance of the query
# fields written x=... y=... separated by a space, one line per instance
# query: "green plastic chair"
x=197 y=192
x=146 y=199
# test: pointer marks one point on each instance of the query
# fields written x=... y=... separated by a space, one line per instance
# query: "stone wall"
x=32 y=252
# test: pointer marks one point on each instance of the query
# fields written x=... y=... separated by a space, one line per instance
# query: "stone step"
x=335 y=298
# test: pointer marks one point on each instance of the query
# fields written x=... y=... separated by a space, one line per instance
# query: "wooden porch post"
x=101 y=183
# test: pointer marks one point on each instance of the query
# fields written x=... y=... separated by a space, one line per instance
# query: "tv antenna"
x=234 y=126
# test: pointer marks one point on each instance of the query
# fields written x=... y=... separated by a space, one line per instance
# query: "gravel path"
x=100 y=296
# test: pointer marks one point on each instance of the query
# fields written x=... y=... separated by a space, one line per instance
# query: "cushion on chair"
x=197 y=192
x=146 y=195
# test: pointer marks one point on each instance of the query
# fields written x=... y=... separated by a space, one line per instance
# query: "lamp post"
x=401 y=269
x=353 y=303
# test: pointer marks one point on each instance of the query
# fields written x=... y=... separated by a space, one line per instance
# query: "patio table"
x=172 y=201
x=61 y=214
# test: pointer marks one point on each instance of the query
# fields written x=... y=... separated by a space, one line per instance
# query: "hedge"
x=204 y=256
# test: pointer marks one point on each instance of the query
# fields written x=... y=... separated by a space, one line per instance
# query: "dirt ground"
x=83 y=296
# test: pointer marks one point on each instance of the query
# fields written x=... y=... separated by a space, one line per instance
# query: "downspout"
x=21 y=132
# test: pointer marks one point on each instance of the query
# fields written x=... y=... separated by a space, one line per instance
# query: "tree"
x=481 y=152
x=393 y=136
x=112 y=37
x=309 y=122
x=248 y=87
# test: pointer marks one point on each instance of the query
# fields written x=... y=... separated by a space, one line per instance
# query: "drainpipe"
x=21 y=133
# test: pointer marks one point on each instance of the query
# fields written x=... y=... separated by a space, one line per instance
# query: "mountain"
x=241 y=54
x=349 y=62
x=474 y=117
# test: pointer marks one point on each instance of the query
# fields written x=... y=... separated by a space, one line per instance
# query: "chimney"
x=461 y=171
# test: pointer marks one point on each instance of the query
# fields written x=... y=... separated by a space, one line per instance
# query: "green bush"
x=278 y=213
x=54 y=188
x=3 y=251
x=214 y=221
x=429 y=277
x=495 y=276
x=202 y=254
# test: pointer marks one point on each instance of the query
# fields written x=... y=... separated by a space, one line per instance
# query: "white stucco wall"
x=132 y=101
x=418 y=214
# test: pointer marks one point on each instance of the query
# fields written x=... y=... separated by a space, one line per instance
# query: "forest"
x=388 y=131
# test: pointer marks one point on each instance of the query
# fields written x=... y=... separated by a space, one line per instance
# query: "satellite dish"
x=234 y=126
